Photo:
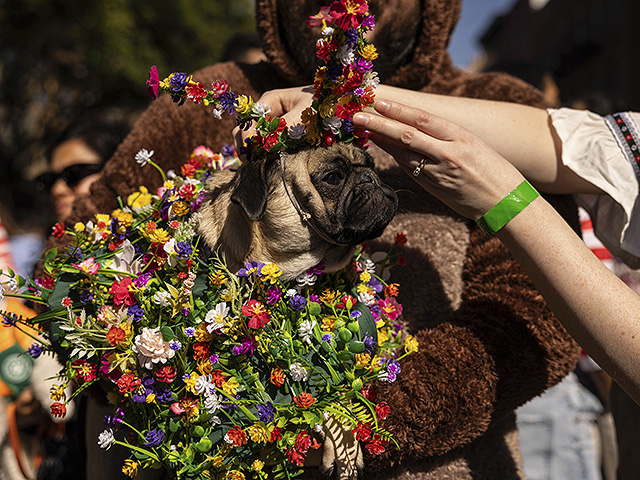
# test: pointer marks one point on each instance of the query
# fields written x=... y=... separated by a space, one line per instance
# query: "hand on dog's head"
x=253 y=215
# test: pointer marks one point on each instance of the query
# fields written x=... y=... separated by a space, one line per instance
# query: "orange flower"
x=304 y=400
x=58 y=410
x=200 y=350
x=277 y=377
x=217 y=377
x=115 y=335
x=237 y=436
x=400 y=239
x=391 y=290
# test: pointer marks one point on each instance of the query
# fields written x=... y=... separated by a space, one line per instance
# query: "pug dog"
x=297 y=210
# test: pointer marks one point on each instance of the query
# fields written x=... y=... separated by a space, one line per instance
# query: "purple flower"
x=227 y=100
x=136 y=311
x=317 y=269
x=351 y=37
x=266 y=412
x=114 y=229
x=327 y=337
x=175 y=345
x=363 y=65
x=35 y=350
x=114 y=420
x=297 y=303
x=334 y=71
x=314 y=298
x=164 y=395
x=195 y=205
x=154 y=437
x=183 y=250
x=214 y=359
x=247 y=346
x=142 y=280
x=179 y=80
x=347 y=125
x=184 y=312
x=153 y=82
x=86 y=296
x=228 y=151
x=250 y=268
x=356 y=314
x=274 y=294
x=9 y=319
x=368 y=22
x=393 y=367
x=74 y=253
x=189 y=331
x=369 y=343
x=375 y=284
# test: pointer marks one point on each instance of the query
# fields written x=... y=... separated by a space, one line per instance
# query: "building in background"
x=588 y=46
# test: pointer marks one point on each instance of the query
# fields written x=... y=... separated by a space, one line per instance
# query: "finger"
x=426 y=122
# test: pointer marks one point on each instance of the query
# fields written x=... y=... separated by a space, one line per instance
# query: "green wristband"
x=507 y=208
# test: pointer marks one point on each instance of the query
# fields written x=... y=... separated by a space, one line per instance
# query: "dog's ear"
x=250 y=189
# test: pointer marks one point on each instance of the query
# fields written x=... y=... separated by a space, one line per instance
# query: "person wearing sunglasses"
x=75 y=160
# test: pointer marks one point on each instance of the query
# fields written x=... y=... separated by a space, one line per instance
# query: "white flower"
x=305 y=330
x=162 y=298
x=260 y=109
x=291 y=293
x=217 y=113
x=143 y=157
x=215 y=420
x=327 y=31
x=151 y=348
x=106 y=439
x=215 y=317
x=297 y=131
x=202 y=383
x=211 y=402
x=368 y=265
x=367 y=298
x=12 y=284
x=1 y=293
x=305 y=279
x=333 y=124
x=346 y=55
x=171 y=174
x=298 y=372
x=123 y=260
x=371 y=80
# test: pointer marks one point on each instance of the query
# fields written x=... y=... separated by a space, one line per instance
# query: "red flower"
x=271 y=140
x=349 y=13
x=58 y=230
x=257 y=314
x=323 y=50
x=363 y=431
x=303 y=441
x=128 y=383
x=166 y=374
x=200 y=350
x=196 y=92
x=402 y=261
x=382 y=410
x=347 y=302
x=85 y=371
x=121 y=292
x=276 y=434
x=391 y=290
x=304 y=400
x=66 y=302
x=58 y=410
x=237 y=436
x=295 y=457
x=217 y=377
x=46 y=281
x=219 y=87
x=400 y=239
x=115 y=335
x=376 y=446
x=153 y=82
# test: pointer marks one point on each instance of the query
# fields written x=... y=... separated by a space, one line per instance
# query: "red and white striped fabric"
x=590 y=239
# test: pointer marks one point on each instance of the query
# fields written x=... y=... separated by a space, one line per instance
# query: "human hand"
x=458 y=168
x=285 y=102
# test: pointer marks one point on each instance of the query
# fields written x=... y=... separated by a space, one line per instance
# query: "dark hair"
x=100 y=136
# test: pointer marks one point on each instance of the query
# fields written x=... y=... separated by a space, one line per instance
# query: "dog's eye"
x=333 y=178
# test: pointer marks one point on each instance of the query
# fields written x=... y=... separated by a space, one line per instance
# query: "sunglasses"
x=71 y=175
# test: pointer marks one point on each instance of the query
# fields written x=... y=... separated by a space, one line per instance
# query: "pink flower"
x=349 y=13
x=66 y=302
x=323 y=16
x=390 y=307
x=183 y=405
x=153 y=82
x=257 y=314
x=88 y=266
x=219 y=87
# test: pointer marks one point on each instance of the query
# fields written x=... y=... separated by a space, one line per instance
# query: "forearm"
x=597 y=309
x=520 y=133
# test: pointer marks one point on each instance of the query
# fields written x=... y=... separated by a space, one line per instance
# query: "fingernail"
x=382 y=106
x=361 y=119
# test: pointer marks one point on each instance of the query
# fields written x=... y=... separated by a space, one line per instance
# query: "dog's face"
x=336 y=186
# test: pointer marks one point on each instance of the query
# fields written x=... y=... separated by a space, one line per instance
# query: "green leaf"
x=167 y=333
x=51 y=254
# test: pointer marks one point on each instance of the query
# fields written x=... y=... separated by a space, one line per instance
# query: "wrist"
x=507 y=208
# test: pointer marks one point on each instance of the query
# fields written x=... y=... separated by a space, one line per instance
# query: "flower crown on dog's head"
x=343 y=86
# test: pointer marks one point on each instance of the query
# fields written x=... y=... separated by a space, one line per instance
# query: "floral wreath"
x=343 y=86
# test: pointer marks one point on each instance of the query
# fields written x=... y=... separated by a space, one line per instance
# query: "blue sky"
x=476 y=17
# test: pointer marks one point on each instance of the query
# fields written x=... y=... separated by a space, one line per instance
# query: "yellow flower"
x=243 y=104
x=130 y=468
x=151 y=398
x=159 y=235
x=201 y=334
x=369 y=52
x=57 y=393
x=258 y=433
x=383 y=336
x=329 y=297
x=362 y=288
x=235 y=475
x=102 y=221
x=230 y=387
x=328 y=324
x=140 y=198
x=125 y=218
x=270 y=272
x=411 y=344
x=365 y=277
x=257 y=466
x=328 y=107
x=308 y=115
x=190 y=382
x=180 y=208
x=362 y=360
x=79 y=227
x=128 y=329
x=169 y=184
x=375 y=362
x=204 y=366
x=217 y=278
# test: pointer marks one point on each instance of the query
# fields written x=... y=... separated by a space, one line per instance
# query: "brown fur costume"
x=488 y=343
